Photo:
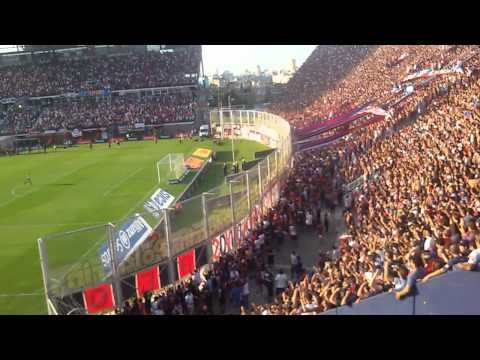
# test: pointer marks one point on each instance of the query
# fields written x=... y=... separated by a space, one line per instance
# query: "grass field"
x=78 y=188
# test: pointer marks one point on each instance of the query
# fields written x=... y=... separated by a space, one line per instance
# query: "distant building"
x=281 y=77
x=293 y=66
x=228 y=76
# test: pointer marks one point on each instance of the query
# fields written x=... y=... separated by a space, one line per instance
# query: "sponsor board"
x=242 y=229
x=158 y=201
x=123 y=129
x=255 y=216
x=127 y=239
x=76 y=133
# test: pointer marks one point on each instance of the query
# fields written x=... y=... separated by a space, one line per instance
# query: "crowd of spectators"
x=102 y=111
x=15 y=119
x=121 y=110
x=402 y=227
x=338 y=78
x=416 y=215
x=115 y=72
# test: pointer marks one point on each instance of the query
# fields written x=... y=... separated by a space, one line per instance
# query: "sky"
x=237 y=58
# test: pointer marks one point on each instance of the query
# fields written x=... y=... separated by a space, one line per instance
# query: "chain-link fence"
x=114 y=253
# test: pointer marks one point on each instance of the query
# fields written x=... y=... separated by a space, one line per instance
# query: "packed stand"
x=57 y=76
x=103 y=111
x=401 y=230
x=361 y=79
x=15 y=119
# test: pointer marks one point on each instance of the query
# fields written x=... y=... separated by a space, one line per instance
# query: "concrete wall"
x=454 y=293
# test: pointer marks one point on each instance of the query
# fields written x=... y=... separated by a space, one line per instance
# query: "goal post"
x=170 y=167
x=27 y=145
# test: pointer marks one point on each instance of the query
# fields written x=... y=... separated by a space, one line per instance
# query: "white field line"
x=109 y=191
x=21 y=294
x=48 y=225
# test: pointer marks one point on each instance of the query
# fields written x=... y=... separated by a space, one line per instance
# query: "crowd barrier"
x=169 y=243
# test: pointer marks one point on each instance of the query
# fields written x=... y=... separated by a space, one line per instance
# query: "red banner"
x=242 y=230
x=147 y=280
x=222 y=244
x=186 y=264
x=255 y=216
x=99 y=299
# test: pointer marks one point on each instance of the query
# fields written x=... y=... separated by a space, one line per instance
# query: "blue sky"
x=237 y=58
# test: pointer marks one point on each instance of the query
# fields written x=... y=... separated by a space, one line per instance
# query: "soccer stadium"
x=125 y=190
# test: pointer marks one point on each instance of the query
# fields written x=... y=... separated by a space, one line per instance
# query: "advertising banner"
x=123 y=129
x=222 y=244
x=127 y=239
x=242 y=230
x=160 y=200
x=76 y=133
x=255 y=216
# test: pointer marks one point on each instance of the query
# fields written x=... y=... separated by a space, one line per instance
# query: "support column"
x=171 y=267
x=232 y=206
x=114 y=264
x=260 y=187
x=207 y=230
x=44 y=265
x=249 y=201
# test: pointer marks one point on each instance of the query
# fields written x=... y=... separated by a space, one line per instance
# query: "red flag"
x=147 y=280
x=99 y=299
x=186 y=264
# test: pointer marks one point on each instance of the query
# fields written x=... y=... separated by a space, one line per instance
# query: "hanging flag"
x=99 y=299
x=147 y=280
x=186 y=264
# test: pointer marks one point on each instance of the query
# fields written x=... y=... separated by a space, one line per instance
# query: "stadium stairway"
x=307 y=246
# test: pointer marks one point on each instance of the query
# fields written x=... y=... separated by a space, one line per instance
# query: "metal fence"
x=72 y=262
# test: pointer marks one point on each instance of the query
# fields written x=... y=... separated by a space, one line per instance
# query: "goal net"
x=27 y=145
x=171 y=168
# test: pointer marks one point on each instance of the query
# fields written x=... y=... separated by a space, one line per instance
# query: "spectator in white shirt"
x=280 y=282
x=189 y=301
x=473 y=259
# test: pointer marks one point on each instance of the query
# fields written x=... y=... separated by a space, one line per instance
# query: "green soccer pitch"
x=76 y=188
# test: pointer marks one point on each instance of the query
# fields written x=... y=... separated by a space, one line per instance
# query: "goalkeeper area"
x=75 y=187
